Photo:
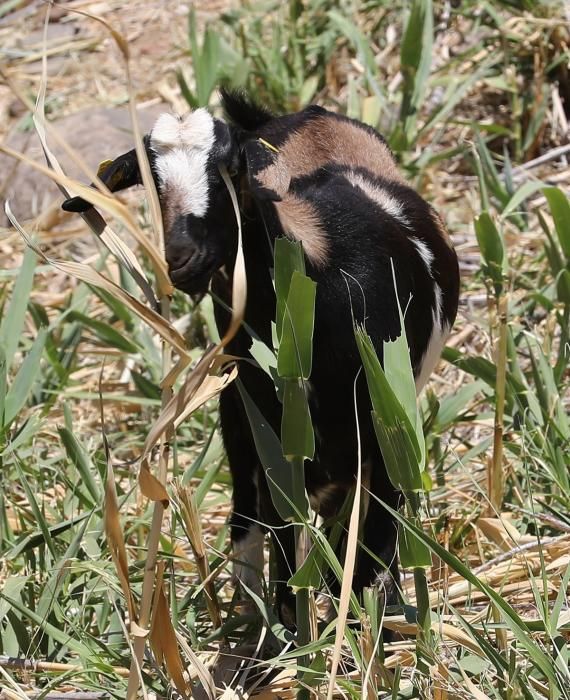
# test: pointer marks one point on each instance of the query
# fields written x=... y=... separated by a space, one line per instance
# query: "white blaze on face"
x=182 y=146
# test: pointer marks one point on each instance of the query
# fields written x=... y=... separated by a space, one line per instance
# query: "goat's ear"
x=226 y=148
x=268 y=175
x=118 y=174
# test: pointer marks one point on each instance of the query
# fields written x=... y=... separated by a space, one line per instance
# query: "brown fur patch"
x=301 y=221
x=171 y=203
x=327 y=140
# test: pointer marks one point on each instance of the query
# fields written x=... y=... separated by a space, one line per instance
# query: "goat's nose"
x=178 y=247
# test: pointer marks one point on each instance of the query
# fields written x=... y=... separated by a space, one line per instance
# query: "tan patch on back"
x=301 y=221
x=326 y=140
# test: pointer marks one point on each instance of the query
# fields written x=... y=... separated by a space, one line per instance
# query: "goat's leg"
x=246 y=534
x=377 y=563
x=283 y=542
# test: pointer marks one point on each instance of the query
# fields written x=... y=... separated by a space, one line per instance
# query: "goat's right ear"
x=118 y=174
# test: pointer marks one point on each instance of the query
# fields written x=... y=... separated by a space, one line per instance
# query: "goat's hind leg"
x=377 y=563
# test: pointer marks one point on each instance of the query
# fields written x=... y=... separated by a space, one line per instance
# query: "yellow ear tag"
x=268 y=145
x=103 y=165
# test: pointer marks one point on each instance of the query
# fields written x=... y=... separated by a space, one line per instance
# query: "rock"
x=95 y=134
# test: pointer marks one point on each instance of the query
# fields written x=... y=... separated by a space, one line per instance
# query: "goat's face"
x=198 y=218
x=185 y=155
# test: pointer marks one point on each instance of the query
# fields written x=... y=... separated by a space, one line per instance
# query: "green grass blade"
x=79 y=457
x=14 y=315
x=560 y=209
x=277 y=468
x=105 y=333
x=22 y=385
x=37 y=512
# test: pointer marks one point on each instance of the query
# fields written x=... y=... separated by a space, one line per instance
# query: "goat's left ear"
x=118 y=174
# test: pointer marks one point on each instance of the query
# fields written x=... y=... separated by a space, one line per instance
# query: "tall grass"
x=489 y=617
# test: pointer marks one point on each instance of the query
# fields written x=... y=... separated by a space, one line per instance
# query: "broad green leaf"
x=317 y=671
x=87 y=470
x=477 y=366
x=560 y=209
x=310 y=573
x=297 y=436
x=277 y=469
x=206 y=66
x=413 y=552
x=14 y=314
x=288 y=259
x=145 y=386
x=396 y=434
x=399 y=373
x=563 y=287
x=295 y=354
x=524 y=192
x=452 y=405
x=398 y=444
x=264 y=356
x=491 y=247
x=24 y=380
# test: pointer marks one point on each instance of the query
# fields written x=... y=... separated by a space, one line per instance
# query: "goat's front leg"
x=246 y=534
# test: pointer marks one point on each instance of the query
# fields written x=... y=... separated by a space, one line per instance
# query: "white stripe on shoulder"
x=437 y=339
x=425 y=253
x=380 y=196
x=431 y=355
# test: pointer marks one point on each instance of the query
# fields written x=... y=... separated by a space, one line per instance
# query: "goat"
x=333 y=184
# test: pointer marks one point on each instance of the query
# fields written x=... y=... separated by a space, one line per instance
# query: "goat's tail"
x=243 y=111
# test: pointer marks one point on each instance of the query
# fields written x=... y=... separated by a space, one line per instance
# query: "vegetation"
x=474 y=100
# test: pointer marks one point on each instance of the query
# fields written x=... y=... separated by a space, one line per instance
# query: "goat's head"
x=185 y=155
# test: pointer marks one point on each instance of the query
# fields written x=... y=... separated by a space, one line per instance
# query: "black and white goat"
x=331 y=183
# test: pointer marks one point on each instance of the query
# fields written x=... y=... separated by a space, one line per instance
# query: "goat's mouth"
x=191 y=279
